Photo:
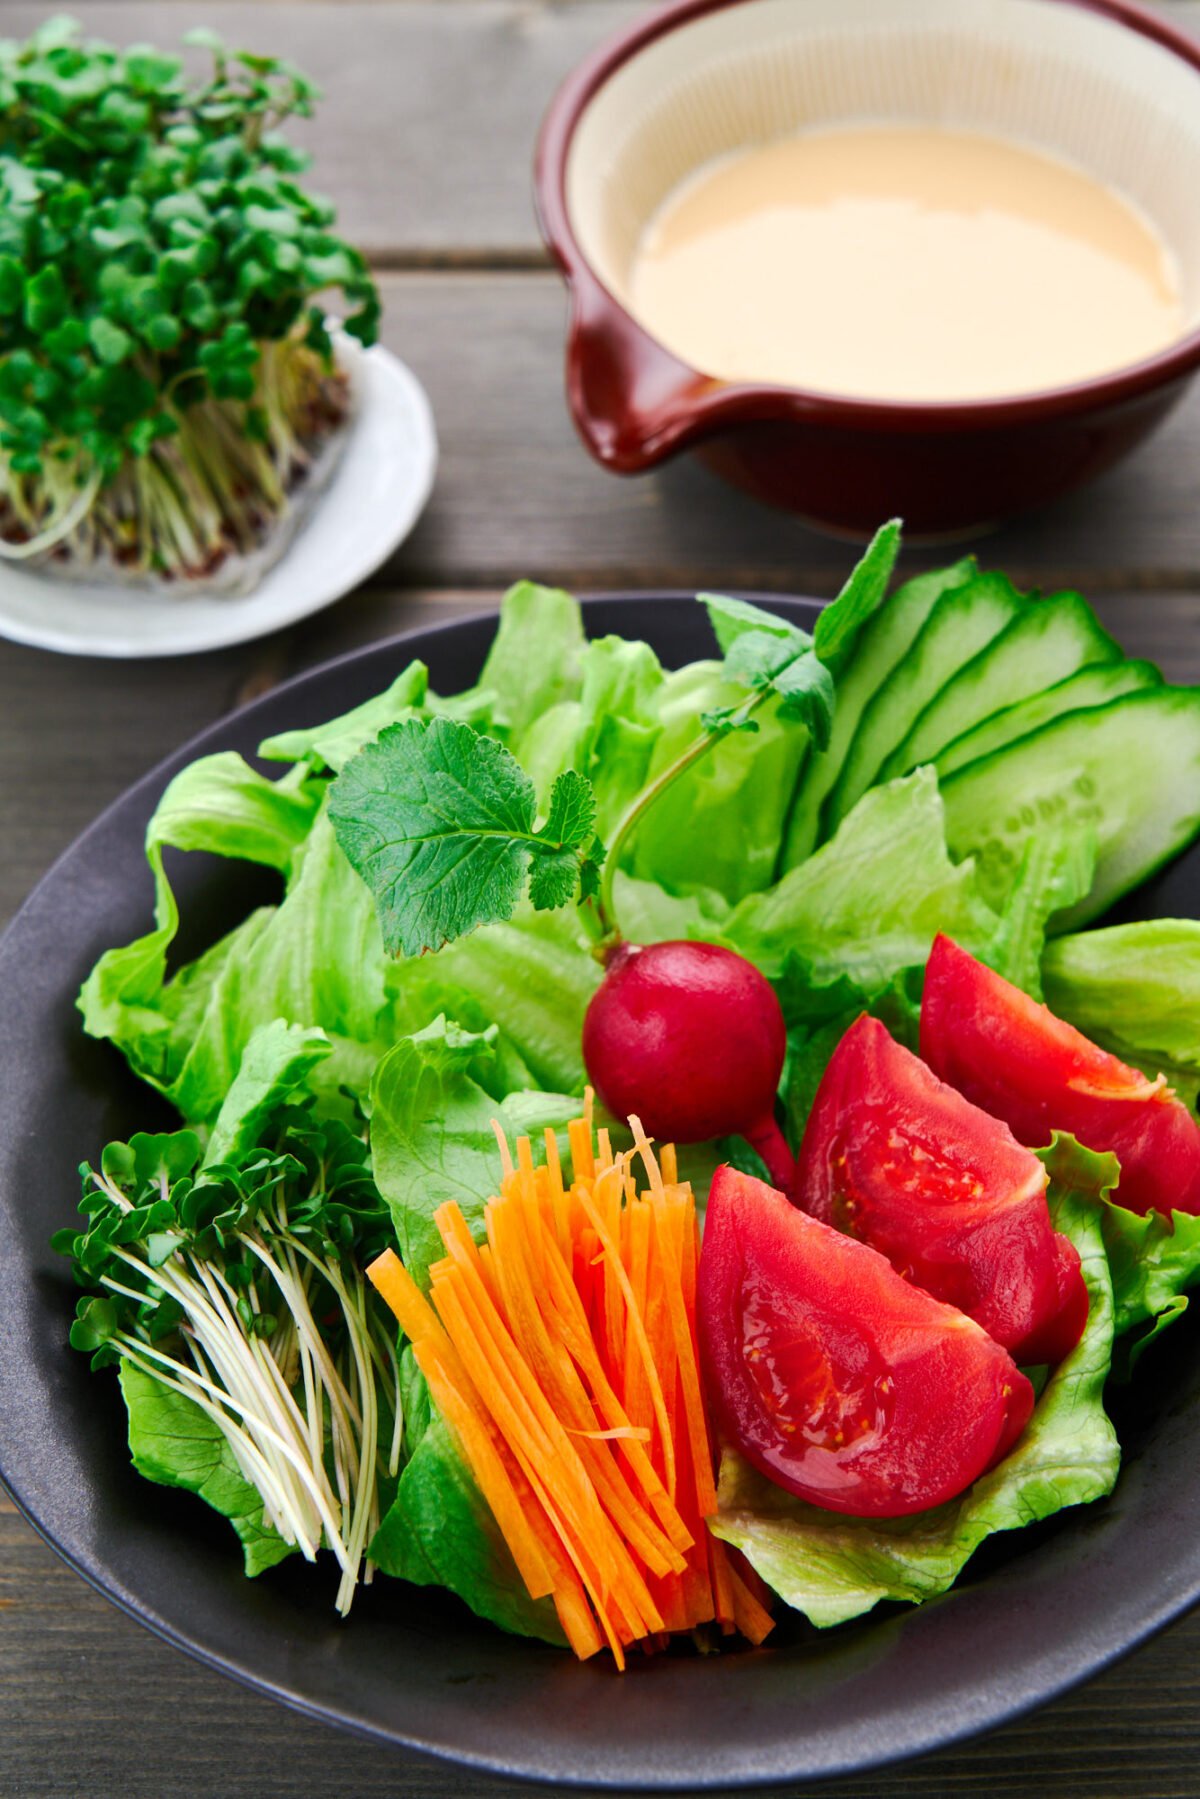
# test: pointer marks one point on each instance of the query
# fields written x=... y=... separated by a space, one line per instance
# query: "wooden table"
x=424 y=141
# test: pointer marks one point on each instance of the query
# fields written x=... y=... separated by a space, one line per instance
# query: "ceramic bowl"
x=1101 y=83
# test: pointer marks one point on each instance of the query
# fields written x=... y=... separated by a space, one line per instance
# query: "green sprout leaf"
x=440 y=822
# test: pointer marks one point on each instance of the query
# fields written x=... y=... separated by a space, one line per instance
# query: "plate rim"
x=1093 y=1656
x=377 y=369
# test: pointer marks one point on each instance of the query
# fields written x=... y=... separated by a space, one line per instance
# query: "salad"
x=679 y=1146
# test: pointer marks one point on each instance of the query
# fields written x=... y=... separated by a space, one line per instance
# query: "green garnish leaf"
x=839 y=623
x=731 y=619
x=440 y=822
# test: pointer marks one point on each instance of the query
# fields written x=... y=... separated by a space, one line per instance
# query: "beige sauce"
x=903 y=263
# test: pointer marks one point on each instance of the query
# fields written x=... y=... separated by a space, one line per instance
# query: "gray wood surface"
x=424 y=141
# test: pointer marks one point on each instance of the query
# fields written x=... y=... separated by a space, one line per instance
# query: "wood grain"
x=425 y=135
x=516 y=493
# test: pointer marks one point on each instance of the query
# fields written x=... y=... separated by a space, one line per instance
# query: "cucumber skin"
x=1066 y=615
x=850 y=785
x=1124 y=677
x=1157 y=751
x=818 y=775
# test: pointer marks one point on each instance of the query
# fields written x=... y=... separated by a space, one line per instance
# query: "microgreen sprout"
x=239 y=1288
x=166 y=373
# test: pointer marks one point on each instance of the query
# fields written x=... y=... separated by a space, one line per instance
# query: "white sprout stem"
x=217 y=1397
x=277 y=1433
x=271 y=1395
x=58 y=528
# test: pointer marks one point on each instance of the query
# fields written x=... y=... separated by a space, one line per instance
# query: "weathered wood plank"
x=518 y=495
x=77 y=1678
x=425 y=135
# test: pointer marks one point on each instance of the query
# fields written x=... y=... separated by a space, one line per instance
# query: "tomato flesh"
x=1012 y=1056
x=838 y=1379
x=893 y=1156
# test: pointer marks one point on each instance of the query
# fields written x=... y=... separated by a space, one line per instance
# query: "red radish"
x=690 y=1037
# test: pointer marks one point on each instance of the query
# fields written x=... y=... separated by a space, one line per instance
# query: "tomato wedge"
x=1013 y=1057
x=837 y=1378
x=896 y=1158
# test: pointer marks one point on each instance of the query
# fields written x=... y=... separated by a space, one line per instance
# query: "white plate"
x=374 y=496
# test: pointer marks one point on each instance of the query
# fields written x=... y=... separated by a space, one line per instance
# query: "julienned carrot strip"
x=400 y=1292
x=517 y=1227
x=697 y=1581
x=585 y=1534
x=490 y=1475
x=752 y=1617
x=574 y=1331
x=635 y=1387
x=563 y=1354
x=607 y=1194
x=662 y=1355
x=579 y=1466
x=579 y=1137
x=510 y=1395
x=671 y=1217
x=721 y=1575
x=657 y=1399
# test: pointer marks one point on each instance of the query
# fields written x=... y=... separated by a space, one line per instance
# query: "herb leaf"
x=731 y=619
x=839 y=623
x=785 y=665
x=440 y=822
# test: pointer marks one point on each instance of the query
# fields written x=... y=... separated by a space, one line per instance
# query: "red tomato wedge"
x=837 y=1378
x=896 y=1158
x=1013 y=1057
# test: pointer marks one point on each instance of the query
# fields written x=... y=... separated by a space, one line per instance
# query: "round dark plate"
x=1038 y=1610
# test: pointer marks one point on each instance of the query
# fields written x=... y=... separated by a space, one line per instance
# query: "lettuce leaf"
x=718 y=827
x=1056 y=871
x=431 y=1132
x=331 y=745
x=869 y=902
x=833 y=1568
x=439 y=1531
x=175 y=1444
x=533 y=663
x=1151 y=1259
x=1135 y=988
x=278 y=1058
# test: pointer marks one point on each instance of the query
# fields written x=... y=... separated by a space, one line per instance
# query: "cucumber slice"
x=1047 y=641
x=1131 y=769
x=959 y=625
x=1090 y=687
x=878 y=648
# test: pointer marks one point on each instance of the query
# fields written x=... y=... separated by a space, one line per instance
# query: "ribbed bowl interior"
x=1050 y=75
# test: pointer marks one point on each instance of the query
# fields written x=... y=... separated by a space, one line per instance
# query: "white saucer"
x=373 y=498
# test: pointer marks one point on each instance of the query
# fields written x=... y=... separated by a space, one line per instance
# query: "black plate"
x=1039 y=1611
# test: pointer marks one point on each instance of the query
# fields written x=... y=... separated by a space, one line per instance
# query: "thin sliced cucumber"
x=1090 y=687
x=876 y=652
x=1130 y=769
x=1047 y=641
x=959 y=625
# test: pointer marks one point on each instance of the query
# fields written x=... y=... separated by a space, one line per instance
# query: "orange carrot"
x=562 y=1352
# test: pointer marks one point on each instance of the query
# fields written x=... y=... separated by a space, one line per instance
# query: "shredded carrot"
x=562 y=1352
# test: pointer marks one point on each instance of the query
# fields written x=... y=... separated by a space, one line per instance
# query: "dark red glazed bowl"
x=840 y=463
